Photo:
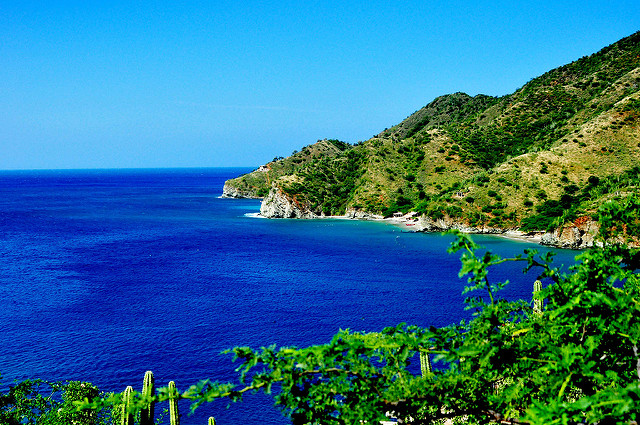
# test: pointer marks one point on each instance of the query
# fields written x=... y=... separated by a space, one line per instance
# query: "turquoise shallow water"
x=106 y=274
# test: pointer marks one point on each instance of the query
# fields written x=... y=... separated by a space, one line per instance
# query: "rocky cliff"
x=231 y=191
x=577 y=236
x=278 y=204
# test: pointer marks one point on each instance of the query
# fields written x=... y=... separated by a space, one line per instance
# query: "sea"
x=105 y=274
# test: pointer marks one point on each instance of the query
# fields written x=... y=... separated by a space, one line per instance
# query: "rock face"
x=278 y=204
x=230 y=191
x=427 y=224
x=361 y=215
x=578 y=236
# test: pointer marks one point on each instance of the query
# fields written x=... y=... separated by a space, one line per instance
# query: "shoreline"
x=418 y=227
x=576 y=236
x=513 y=235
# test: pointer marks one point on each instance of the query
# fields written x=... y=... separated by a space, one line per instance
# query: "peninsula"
x=538 y=163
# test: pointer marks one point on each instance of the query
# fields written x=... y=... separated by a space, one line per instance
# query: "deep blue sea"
x=105 y=274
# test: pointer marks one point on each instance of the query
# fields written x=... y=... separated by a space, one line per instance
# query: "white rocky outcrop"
x=427 y=224
x=361 y=215
x=278 y=204
x=578 y=236
x=230 y=191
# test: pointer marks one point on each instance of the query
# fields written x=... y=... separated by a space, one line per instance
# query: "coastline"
x=278 y=204
x=401 y=222
x=419 y=227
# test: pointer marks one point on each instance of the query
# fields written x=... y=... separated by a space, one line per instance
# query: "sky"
x=137 y=84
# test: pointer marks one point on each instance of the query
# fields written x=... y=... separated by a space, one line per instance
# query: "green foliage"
x=401 y=204
x=548 y=211
x=327 y=184
x=444 y=110
x=45 y=403
x=621 y=218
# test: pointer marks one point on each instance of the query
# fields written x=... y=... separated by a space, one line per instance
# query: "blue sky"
x=226 y=83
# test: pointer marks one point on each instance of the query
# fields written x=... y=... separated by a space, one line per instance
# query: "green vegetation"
x=518 y=157
x=44 y=403
x=257 y=183
x=327 y=184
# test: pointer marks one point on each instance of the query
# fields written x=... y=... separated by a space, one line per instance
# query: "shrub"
x=571 y=189
x=536 y=222
x=541 y=194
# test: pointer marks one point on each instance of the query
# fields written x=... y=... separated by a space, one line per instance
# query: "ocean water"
x=105 y=274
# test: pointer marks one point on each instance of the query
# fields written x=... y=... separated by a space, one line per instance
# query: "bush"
x=536 y=222
x=41 y=402
x=571 y=189
x=550 y=208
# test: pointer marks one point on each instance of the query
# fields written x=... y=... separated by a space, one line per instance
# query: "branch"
x=636 y=353
x=257 y=386
x=501 y=419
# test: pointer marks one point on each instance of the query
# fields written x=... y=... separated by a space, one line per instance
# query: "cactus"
x=174 y=415
x=425 y=363
x=148 y=390
x=537 y=302
x=212 y=421
x=126 y=415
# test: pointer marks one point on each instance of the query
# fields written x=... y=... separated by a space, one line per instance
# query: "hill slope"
x=541 y=158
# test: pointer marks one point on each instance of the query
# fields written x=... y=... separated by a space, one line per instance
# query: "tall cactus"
x=425 y=364
x=212 y=421
x=537 y=302
x=126 y=412
x=148 y=390
x=174 y=415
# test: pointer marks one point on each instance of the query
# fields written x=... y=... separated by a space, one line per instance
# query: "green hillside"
x=257 y=183
x=543 y=156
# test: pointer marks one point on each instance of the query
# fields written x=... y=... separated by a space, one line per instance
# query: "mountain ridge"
x=536 y=160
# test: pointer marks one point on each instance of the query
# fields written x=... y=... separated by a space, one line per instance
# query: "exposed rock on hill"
x=278 y=204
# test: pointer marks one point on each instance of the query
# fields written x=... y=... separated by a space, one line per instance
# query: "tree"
x=45 y=403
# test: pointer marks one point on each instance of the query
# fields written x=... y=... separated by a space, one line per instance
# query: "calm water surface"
x=107 y=274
